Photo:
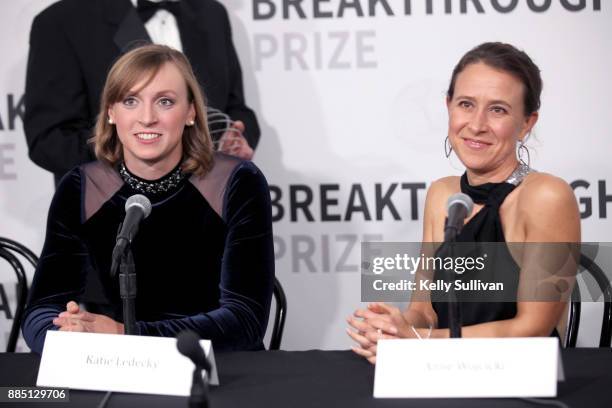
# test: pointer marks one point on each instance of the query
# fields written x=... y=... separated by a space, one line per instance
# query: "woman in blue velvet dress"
x=493 y=102
x=204 y=257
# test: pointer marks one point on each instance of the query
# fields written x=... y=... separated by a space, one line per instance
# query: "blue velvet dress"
x=204 y=257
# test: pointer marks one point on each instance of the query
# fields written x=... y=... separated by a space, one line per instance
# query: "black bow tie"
x=146 y=9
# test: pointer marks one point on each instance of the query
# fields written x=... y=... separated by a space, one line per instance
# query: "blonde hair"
x=128 y=71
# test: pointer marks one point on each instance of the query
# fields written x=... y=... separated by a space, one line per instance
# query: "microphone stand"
x=454 y=308
x=187 y=343
x=198 y=398
x=127 y=291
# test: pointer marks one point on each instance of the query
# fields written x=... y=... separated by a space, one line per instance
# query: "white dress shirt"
x=163 y=28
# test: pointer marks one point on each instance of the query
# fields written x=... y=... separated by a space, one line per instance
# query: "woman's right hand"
x=78 y=320
x=371 y=325
x=383 y=321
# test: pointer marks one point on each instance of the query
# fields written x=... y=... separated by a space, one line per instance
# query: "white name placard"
x=110 y=362
x=470 y=368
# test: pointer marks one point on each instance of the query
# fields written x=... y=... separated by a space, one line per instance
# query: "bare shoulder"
x=444 y=186
x=543 y=189
x=549 y=209
x=435 y=205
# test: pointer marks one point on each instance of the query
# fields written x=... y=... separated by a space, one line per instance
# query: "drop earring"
x=448 y=149
x=522 y=152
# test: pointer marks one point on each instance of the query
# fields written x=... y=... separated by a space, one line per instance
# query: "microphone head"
x=138 y=200
x=460 y=199
x=188 y=344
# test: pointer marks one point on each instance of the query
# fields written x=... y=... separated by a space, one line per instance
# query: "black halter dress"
x=478 y=306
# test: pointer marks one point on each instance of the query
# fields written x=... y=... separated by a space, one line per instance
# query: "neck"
x=150 y=171
x=497 y=175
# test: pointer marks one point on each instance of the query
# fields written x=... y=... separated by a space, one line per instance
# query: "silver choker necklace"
x=165 y=184
x=519 y=174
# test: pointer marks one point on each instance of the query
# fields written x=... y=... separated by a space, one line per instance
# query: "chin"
x=472 y=161
x=148 y=158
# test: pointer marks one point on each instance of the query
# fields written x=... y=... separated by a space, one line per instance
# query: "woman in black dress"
x=493 y=102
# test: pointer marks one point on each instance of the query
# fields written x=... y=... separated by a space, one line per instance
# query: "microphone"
x=188 y=344
x=459 y=206
x=137 y=208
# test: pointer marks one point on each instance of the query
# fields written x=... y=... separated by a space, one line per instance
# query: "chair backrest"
x=280 y=315
x=20 y=249
x=7 y=249
x=573 y=321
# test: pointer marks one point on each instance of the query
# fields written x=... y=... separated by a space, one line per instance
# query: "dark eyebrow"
x=493 y=102
x=500 y=102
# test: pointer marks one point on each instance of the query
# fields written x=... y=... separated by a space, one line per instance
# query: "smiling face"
x=150 y=121
x=486 y=119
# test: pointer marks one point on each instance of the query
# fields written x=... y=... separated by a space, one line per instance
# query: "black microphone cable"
x=104 y=401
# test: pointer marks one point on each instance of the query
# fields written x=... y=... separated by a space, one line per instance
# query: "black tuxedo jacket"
x=73 y=44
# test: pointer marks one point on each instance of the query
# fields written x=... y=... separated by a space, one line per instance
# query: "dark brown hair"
x=507 y=58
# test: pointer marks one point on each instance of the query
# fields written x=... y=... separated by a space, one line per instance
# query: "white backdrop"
x=351 y=103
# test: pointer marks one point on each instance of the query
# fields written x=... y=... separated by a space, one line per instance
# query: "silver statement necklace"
x=165 y=184
x=519 y=174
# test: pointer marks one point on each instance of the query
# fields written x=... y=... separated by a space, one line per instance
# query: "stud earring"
x=190 y=122
x=110 y=121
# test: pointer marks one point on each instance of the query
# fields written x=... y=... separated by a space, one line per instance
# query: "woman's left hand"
x=75 y=319
x=234 y=143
